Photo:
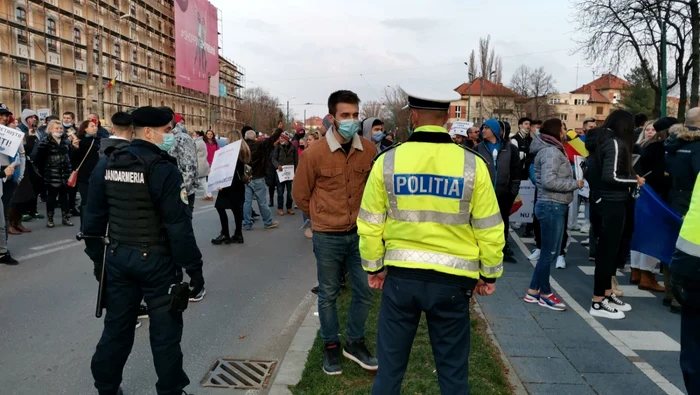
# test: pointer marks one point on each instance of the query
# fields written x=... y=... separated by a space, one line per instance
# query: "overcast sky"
x=303 y=50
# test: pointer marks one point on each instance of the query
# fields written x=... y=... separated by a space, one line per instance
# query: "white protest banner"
x=586 y=190
x=43 y=113
x=10 y=140
x=524 y=206
x=460 y=128
x=223 y=167
x=579 y=163
x=286 y=174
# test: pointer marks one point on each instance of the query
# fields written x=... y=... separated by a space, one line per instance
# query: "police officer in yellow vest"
x=686 y=288
x=431 y=234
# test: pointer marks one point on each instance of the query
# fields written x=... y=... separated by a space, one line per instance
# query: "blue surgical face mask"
x=67 y=125
x=168 y=141
x=57 y=135
x=348 y=128
x=378 y=136
x=90 y=134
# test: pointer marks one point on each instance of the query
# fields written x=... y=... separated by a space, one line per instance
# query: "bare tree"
x=487 y=58
x=499 y=70
x=372 y=109
x=260 y=110
x=520 y=82
x=397 y=117
x=472 y=66
x=534 y=84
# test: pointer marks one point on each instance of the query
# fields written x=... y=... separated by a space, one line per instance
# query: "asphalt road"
x=49 y=331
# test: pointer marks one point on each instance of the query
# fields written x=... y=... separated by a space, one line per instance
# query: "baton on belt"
x=101 y=289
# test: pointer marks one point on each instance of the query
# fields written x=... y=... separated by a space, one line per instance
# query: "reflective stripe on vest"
x=375 y=264
x=371 y=218
x=432 y=258
x=688 y=247
x=461 y=218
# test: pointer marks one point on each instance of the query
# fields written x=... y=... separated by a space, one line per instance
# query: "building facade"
x=483 y=100
x=102 y=56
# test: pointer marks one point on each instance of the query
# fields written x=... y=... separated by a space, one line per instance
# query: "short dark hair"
x=342 y=96
x=523 y=120
x=640 y=119
x=552 y=128
x=377 y=122
x=535 y=122
x=81 y=129
x=70 y=113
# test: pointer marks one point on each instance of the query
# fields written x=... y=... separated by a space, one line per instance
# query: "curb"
x=512 y=376
x=294 y=361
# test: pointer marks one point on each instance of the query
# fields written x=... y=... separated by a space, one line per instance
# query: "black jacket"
x=651 y=164
x=682 y=164
x=53 y=161
x=91 y=156
x=108 y=145
x=505 y=174
x=285 y=155
x=260 y=153
x=608 y=170
x=526 y=159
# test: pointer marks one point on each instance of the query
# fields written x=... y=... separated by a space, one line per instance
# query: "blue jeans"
x=258 y=188
x=446 y=309
x=332 y=250
x=552 y=217
x=281 y=186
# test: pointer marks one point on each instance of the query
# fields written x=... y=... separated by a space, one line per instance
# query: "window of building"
x=136 y=101
x=134 y=55
x=79 y=102
x=458 y=112
x=599 y=110
x=183 y=110
x=21 y=15
x=134 y=71
x=478 y=104
x=162 y=78
x=554 y=100
x=51 y=29
x=119 y=101
x=132 y=9
x=117 y=49
x=148 y=19
x=160 y=25
x=78 y=39
x=502 y=106
x=24 y=90
x=476 y=120
x=564 y=117
x=149 y=74
x=96 y=57
x=579 y=102
x=160 y=65
x=162 y=103
x=148 y=60
x=53 y=99
x=150 y=102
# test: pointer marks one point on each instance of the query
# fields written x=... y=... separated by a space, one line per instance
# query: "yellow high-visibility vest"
x=689 y=238
x=431 y=206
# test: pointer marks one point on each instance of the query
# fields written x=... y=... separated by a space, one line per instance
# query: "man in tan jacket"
x=328 y=188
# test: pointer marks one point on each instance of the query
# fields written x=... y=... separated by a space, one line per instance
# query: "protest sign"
x=524 y=206
x=10 y=140
x=223 y=167
x=579 y=163
x=460 y=128
x=43 y=113
x=286 y=174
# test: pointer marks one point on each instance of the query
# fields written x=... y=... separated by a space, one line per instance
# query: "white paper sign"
x=223 y=167
x=10 y=140
x=42 y=113
x=579 y=162
x=586 y=190
x=460 y=128
x=524 y=205
x=286 y=174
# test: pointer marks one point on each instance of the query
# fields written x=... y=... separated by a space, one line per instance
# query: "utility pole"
x=664 y=80
x=469 y=93
x=209 y=100
x=304 y=119
x=481 y=101
x=287 y=114
x=100 y=82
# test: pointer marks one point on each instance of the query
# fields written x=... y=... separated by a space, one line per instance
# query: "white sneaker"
x=586 y=242
x=615 y=302
x=605 y=310
x=585 y=228
x=535 y=254
x=561 y=262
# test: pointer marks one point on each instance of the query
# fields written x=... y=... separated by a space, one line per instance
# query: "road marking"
x=647 y=340
x=66 y=244
x=57 y=243
x=648 y=370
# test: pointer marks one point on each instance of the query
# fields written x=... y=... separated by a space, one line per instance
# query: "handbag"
x=73 y=178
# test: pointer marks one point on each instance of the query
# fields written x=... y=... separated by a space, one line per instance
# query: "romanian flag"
x=112 y=83
x=575 y=147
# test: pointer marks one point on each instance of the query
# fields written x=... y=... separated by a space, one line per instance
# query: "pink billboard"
x=196 y=46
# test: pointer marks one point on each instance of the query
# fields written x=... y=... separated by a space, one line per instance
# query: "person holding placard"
x=284 y=156
x=233 y=197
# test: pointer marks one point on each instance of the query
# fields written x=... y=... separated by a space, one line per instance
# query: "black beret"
x=664 y=123
x=150 y=117
x=168 y=109
x=122 y=119
x=51 y=118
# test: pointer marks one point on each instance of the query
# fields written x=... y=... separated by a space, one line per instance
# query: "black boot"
x=237 y=238
x=66 y=221
x=221 y=239
x=49 y=220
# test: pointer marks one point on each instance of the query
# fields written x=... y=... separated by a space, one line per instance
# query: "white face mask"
x=57 y=135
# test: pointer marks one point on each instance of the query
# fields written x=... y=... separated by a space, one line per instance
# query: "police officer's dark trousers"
x=690 y=348
x=446 y=308
x=132 y=274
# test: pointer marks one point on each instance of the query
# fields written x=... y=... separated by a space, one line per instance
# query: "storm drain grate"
x=245 y=374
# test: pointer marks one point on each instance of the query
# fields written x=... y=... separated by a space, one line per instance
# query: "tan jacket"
x=328 y=184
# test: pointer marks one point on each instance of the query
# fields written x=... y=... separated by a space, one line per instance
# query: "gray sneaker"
x=331 y=359
x=358 y=353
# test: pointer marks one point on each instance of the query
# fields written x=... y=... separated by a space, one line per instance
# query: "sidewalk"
x=571 y=352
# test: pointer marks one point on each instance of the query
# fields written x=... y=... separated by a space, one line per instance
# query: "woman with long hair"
x=85 y=158
x=233 y=197
x=555 y=186
x=54 y=164
x=611 y=179
x=651 y=165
